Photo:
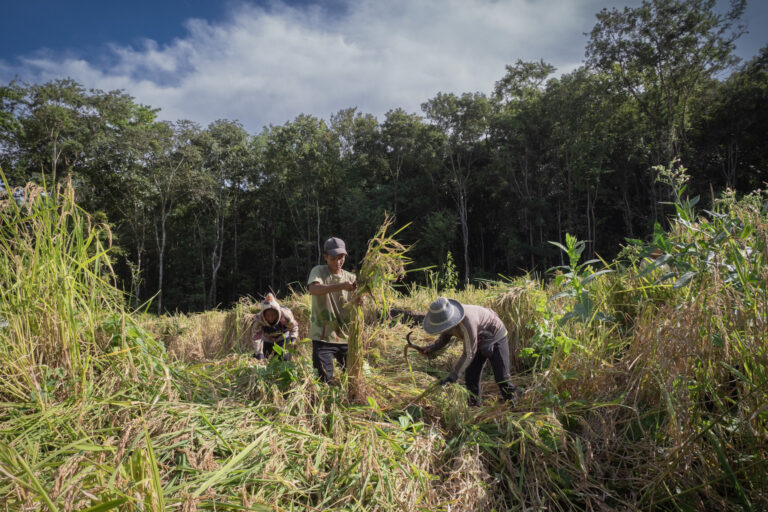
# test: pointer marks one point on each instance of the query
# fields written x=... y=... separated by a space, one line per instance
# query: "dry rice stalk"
x=517 y=308
x=383 y=264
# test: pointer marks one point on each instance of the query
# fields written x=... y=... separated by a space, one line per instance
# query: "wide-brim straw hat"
x=442 y=315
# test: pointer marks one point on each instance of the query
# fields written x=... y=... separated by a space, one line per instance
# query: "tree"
x=661 y=53
x=400 y=133
x=172 y=164
x=520 y=127
x=299 y=182
x=464 y=122
x=582 y=139
x=224 y=150
x=123 y=187
x=362 y=189
x=731 y=127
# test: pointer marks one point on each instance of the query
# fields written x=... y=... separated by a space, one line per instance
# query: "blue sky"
x=266 y=62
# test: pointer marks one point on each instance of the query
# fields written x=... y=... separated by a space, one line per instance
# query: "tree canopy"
x=203 y=215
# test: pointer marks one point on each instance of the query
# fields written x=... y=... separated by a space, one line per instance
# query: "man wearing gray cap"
x=330 y=287
x=484 y=337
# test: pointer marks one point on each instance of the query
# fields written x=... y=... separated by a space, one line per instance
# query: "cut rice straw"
x=383 y=264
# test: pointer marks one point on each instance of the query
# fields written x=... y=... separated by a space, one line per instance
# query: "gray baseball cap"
x=442 y=315
x=334 y=246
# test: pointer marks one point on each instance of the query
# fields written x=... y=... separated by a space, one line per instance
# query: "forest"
x=200 y=216
x=614 y=219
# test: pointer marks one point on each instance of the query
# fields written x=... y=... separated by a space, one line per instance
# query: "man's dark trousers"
x=498 y=353
x=323 y=355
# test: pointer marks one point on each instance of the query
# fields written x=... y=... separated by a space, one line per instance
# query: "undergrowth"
x=643 y=386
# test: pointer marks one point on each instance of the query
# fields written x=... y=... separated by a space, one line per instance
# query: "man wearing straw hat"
x=484 y=337
x=330 y=287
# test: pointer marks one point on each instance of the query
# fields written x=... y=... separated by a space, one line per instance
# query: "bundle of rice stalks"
x=521 y=308
x=383 y=264
x=236 y=329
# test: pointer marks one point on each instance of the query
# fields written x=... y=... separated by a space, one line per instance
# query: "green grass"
x=662 y=407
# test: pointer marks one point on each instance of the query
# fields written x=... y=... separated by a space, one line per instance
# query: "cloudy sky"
x=265 y=62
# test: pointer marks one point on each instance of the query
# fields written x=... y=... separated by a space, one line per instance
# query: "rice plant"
x=383 y=264
x=664 y=409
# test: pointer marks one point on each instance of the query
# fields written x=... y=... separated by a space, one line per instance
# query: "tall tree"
x=122 y=186
x=731 y=128
x=520 y=128
x=299 y=163
x=172 y=164
x=582 y=136
x=662 y=53
x=400 y=132
x=464 y=122
x=224 y=150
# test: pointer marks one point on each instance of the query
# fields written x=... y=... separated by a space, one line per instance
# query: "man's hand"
x=350 y=287
x=447 y=380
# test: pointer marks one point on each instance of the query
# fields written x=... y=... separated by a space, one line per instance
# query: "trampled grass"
x=653 y=397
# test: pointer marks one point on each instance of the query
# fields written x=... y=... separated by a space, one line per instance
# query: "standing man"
x=484 y=338
x=330 y=287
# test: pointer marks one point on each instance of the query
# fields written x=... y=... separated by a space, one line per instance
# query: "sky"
x=265 y=62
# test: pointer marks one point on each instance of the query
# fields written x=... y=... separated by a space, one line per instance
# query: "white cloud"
x=264 y=66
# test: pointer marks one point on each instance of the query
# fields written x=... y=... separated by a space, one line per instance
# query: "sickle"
x=409 y=345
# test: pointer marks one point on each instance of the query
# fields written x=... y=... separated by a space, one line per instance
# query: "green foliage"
x=601 y=412
x=449 y=277
x=664 y=409
x=200 y=216
x=649 y=58
x=725 y=242
x=548 y=343
x=576 y=277
x=438 y=233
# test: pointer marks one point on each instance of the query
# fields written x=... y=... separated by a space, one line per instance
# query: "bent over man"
x=275 y=325
x=484 y=338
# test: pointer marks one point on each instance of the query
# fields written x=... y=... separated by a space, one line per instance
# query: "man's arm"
x=257 y=340
x=439 y=344
x=469 y=337
x=321 y=289
x=291 y=324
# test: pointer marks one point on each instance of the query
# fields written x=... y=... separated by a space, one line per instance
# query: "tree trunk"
x=319 y=243
x=136 y=284
x=234 y=229
x=202 y=260
x=217 y=253
x=272 y=268
x=589 y=218
x=732 y=150
x=54 y=159
x=464 y=233
x=398 y=167
x=560 y=231
x=160 y=240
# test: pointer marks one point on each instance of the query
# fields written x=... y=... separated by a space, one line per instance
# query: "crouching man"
x=275 y=325
x=484 y=338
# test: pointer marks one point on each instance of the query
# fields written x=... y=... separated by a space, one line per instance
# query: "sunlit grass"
x=661 y=408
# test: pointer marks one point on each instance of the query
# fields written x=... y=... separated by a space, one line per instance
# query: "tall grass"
x=662 y=404
x=56 y=287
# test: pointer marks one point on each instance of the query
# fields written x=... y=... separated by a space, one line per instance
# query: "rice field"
x=643 y=386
